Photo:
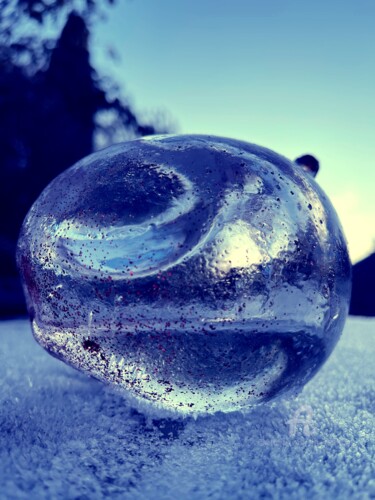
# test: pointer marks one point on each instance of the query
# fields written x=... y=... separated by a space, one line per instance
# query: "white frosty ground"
x=63 y=435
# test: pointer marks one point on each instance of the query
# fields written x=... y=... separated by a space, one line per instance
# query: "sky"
x=291 y=75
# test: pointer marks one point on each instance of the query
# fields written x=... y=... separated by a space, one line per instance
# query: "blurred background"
x=296 y=77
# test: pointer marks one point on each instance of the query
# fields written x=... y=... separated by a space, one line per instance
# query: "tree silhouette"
x=51 y=99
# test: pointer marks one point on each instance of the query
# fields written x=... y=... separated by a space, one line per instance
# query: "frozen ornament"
x=197 y=273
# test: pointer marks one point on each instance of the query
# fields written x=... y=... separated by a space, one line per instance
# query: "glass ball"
x=196 y=273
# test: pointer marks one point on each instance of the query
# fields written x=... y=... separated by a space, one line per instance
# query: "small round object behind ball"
x=198 y=273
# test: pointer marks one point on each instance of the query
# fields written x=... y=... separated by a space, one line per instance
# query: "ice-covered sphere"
x=198 y=273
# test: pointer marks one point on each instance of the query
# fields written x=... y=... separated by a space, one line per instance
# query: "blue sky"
x=292 y=75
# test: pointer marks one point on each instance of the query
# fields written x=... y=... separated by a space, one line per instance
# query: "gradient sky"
x=295 y=76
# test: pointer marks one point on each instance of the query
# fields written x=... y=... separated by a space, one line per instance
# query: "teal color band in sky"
x=297 y=77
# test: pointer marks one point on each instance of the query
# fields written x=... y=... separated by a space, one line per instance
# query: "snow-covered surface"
x=63 y=435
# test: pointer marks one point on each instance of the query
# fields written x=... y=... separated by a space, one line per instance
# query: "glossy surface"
x=198 y=273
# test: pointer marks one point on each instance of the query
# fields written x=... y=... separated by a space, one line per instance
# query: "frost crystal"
x=197 y=273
